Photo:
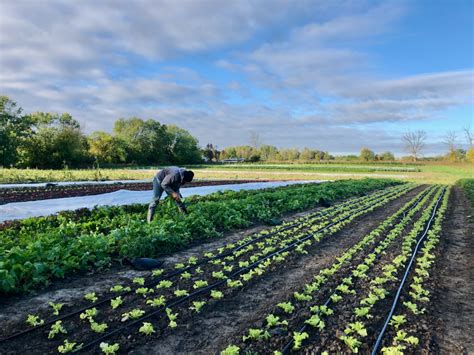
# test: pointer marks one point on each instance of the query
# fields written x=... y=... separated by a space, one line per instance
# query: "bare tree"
x=450 y=140
x=469 y=135
x=414 y=142
x=255 y=140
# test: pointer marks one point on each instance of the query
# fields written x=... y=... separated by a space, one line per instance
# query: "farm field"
x=430 y=173
x=346 y=266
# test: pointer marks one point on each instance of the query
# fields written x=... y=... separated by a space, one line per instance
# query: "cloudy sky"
x=331 y=75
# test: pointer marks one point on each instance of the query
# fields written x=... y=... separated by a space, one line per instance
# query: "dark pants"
x=157 y=192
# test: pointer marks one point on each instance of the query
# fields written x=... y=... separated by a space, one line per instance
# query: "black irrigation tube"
x=215 y=284
x=177 y=272
x=303 y=328
x=405 y=276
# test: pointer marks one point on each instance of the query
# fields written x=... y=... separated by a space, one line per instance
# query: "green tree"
x=289 y=154
x=183 y=147
x=57 y=141
x=147 y=142
x=308 y=154
x=229 y=152
x=14 y=131
x=387 y=156
x=367 y=155
x=107 y=148
x=268 y=152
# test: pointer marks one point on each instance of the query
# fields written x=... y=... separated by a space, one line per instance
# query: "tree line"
x=49 y=140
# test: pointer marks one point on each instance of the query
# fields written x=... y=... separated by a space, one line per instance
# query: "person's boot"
x=151 y=213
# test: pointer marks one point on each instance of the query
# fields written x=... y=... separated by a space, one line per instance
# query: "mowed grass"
x=429 y=173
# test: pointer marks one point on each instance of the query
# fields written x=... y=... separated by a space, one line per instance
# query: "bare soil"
x=453 y=301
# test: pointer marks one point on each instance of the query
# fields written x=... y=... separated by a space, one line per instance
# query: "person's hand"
x=175 y=196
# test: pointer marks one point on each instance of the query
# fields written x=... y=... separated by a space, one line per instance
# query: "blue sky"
x=327 y=75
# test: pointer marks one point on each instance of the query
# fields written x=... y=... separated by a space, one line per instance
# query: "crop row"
x=35 y=253
x=304 y=306
x=383 y=285
x=404 y=327
x=224 y=270
x=361 y=301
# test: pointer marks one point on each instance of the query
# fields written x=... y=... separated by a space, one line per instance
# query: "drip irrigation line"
x=154 y=282
x=215 y=284
x=405 y=276
x=286 y=348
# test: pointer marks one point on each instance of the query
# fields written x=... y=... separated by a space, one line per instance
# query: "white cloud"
x=296 y=70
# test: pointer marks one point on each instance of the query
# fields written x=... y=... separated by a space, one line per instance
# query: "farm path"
x=211 y=332
x=454 y=300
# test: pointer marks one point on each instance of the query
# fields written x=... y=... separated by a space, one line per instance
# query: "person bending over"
x=169 y=180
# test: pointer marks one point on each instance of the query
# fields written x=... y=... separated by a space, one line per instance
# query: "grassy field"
x=444 y=173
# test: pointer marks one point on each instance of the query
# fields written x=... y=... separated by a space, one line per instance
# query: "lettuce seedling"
x=116 y=302
x=394 y=350
x=287 y=307
x=402 y=337
x=89 y=314
x=351 y=342
x=56 y=328
x=98 y=327
x=120 y=288
x=34 y=320
x=316 y=322
x=234 y=284
x=302 y=297
x=397 y=321
x=218 y=275
x=336 y=298
x=109 y=349
x=298 y=339
x=192 y=260
x=363 y=312
x=139 y=281
x=273 y=321
x=157 y=302
x=181 y=293
x=164 y=284
x=356 y=327
x=133 y=314
x=68 y=347
x=256 y=334
x=147 y=328
x=216 y=294
x=200 y=283
x=56 y=307
x=197 y=305
x=144 y=291
x=91 y=297
x=231 y=350
x=185 y=275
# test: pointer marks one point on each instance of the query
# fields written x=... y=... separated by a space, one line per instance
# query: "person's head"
x=188 y=176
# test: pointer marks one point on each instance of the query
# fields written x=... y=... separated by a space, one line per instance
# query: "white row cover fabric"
x=68 y=183
x=20 y=210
